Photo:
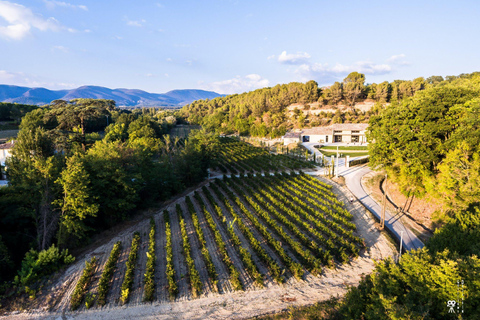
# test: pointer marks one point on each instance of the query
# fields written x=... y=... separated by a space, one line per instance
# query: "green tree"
x=353 y=86
x=77 y=202
x=458 y=181
x=382 y=93
x=75 y=113
x=334 y=94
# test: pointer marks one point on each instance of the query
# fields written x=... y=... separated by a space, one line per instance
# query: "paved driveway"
x=353 y=177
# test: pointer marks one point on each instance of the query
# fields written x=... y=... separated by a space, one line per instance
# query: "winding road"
x=353 y=178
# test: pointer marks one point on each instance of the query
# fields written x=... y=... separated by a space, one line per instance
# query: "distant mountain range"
x=122 y=97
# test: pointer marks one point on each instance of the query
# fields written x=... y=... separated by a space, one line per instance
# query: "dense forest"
x=264 y=112
x=79 y=167
x=430 y=143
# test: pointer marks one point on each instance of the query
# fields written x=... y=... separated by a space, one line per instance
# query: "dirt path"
x=239 y=304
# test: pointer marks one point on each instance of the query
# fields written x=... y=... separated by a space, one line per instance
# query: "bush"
x=36 y=264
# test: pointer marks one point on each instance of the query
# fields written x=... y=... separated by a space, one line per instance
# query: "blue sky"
x=232 y=46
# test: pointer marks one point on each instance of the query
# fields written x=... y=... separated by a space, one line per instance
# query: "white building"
x=5 y=151
x=339 y=132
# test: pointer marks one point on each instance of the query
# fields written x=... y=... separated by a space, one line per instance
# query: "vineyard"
x=236 y=157
x=259 y=223
x=238 y=233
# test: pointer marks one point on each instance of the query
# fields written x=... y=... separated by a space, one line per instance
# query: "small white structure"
x=5 y=151
x=291 y=137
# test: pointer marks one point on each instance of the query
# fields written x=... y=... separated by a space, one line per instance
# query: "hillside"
x=122 y=97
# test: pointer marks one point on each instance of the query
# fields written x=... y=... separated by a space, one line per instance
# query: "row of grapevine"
x=172 y=285
x=149 y=279
x=222 y=247
x=243 y=252
x=193 y=275
x=131 y=262
x=107 y=274
x=207 y=258
x=82 y=284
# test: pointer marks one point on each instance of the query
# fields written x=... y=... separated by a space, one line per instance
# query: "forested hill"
x=265 y=112
x=122 y=97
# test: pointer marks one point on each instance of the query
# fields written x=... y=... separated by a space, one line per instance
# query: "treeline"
x=68 y=181
x=263 y=112
x=257 y=113
x=14 y=111
x=430 y=143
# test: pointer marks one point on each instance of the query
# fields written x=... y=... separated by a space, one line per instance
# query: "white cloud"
x=60 y=48
x=324 y=73
x=398 y=59
x=51 y=4
x=238 y=84
x=293 y=58
x=21 y=20
x=136 y=23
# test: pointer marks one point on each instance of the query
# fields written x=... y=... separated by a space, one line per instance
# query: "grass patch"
x=345 y=148
x=5 y=134
x=343 y=154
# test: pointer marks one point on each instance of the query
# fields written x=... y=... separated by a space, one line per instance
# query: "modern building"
x=339 y=132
